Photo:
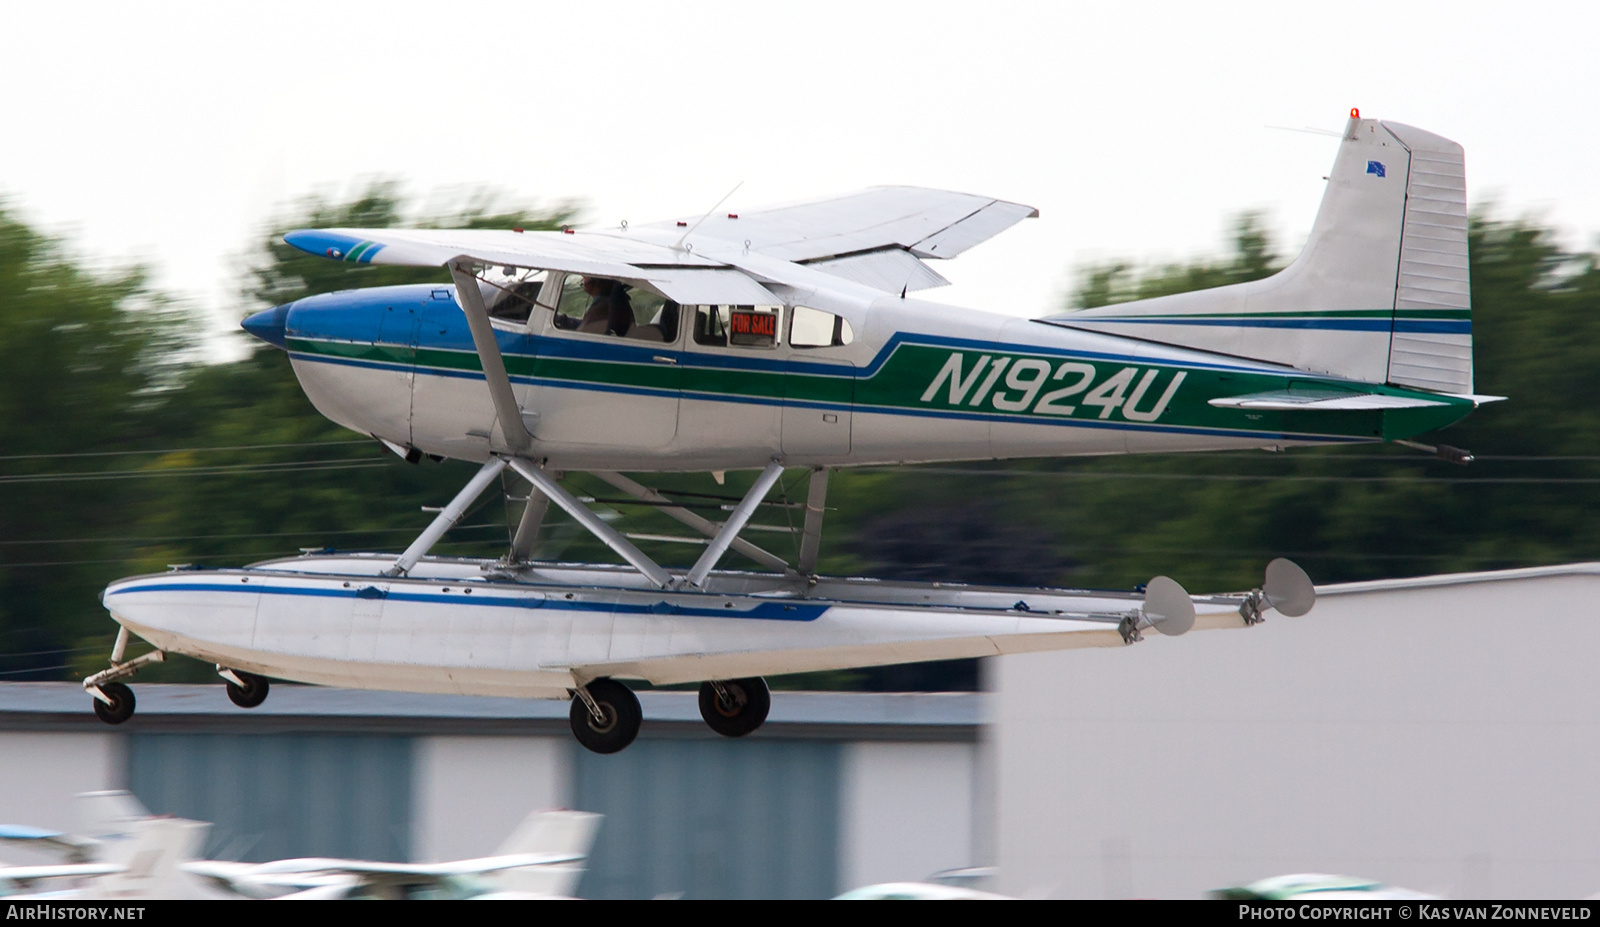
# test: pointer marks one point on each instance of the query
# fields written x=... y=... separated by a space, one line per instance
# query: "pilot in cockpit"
x=610 y=310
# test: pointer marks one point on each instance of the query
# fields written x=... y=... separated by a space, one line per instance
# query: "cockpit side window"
x=737 y=326
x=599 y=306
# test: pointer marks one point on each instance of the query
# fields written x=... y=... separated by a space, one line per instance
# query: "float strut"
x=704 y=526
x=447 y=518
x=811 y=536
x=737 y=519
x=580 y=513
x=528 y=527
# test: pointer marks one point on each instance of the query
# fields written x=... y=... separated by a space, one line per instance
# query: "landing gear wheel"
x=121 y=707
x=620 y=720
x=739 y=708
x=251 y=694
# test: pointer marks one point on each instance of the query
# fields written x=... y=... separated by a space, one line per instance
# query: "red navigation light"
x=1355 y=113
x=682 y=224
x=733 y=215
x=517 y=230
x=566 y=230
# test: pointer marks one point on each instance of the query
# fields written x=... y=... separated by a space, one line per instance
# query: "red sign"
x=748 y=327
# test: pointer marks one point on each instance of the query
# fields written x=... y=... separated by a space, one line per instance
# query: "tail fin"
x=554 y=832
x=1380 y=292
x=151 y=849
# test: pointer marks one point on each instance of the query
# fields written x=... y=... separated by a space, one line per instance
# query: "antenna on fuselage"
x=678 y=245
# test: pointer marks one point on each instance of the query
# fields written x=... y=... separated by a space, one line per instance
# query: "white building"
x=1441 y=734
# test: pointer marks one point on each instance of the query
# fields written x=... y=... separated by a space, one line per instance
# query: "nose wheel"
x=735 y=707
x=247 y=690
x=119 y=703
x=605 y=716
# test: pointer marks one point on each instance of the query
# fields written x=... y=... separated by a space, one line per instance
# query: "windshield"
x=513 y=297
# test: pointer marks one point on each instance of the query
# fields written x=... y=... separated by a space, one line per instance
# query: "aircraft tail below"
x=548 y=832
x=1380 y=293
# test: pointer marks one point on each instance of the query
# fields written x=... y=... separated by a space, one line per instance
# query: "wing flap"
x=696 y=286
x=931 y=223
x=890 y=270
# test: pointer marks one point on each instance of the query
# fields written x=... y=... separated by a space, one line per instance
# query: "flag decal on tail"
x=1375 y=167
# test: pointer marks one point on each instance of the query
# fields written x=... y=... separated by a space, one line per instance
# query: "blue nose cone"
x=268 y=325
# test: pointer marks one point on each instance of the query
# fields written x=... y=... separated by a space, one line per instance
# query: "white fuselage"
x=919 y=382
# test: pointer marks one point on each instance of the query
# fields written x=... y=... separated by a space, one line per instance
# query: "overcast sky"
x=170 y=133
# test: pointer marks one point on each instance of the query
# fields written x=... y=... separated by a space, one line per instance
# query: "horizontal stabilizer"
x=1303 y=401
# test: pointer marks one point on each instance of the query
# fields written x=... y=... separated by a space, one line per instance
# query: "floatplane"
x=786 y=338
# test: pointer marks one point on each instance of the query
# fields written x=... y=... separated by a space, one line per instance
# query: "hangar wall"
x=323 y=772
x=1441 y=734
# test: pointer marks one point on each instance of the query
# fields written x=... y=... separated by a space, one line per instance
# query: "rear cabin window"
x=813 y=328
x=737 y=326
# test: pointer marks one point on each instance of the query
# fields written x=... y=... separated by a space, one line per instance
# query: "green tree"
x=89 y=355
x=253 y=471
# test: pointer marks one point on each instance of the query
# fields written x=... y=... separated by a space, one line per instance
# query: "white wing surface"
x=876 y=237
x=927 y=223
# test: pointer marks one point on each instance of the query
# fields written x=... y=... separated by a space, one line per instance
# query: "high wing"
x=928 y=223
x=877 y=237
x=680 y=275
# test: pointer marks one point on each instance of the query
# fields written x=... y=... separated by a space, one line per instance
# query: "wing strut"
x=580 y=513
x=494 y=366
x=737 y=519
x=704 y=526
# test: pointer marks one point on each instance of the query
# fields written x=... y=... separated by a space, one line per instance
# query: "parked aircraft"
x=543 y=858
x=122 y=852
x=786 y=337
x=1316 y=886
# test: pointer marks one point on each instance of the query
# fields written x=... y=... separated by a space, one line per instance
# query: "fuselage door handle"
x=663 y=359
